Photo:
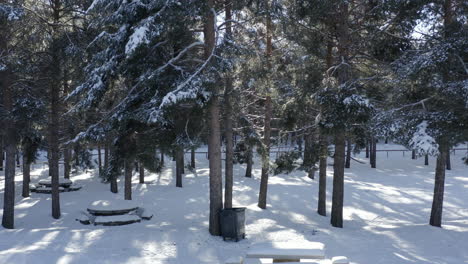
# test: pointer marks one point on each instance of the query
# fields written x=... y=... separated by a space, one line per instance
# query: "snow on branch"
x=422 y=142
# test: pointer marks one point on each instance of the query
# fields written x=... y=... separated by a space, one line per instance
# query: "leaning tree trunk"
x=10 y=148
x=129 y=163
x=438 y=199
x=228 y=134
x=214 y=140
x=348 y=154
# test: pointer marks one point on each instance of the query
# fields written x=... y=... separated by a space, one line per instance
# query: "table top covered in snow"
x=62 y=182
x=288 y=250
x=112 y=207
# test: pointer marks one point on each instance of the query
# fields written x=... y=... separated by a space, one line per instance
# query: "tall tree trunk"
x=17 y=158
x=179 y=156
x=322 y=196
x=262 y=197
x=182 y=158
x=426 y=160
x=106 y=155
x=114 y=188
x=142 y=173
x=373 y=152
x=228 y=134
x=10 y=147
x=2 y=153
x=214 y=140
x=348 y=154
x=340 y=135
x=449 y=164
x=438 y=199
x=66 y=162
x=54 y=120
x=26 y=174
x=192 y=158
x=99 y=159
x=248 y=170
x=162 y=157
x=308 y=161
x=413 y=154
x=128 y=178
x=338 y=180
x=367 y=148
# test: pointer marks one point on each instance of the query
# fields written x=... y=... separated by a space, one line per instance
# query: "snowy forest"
x=194 y=107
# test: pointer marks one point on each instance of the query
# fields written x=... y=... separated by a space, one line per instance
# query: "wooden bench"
x=287 y=251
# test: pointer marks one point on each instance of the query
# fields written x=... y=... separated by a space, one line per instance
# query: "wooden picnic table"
x=287 y=251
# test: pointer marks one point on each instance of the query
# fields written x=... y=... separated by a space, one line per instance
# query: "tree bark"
x=142 y=173
x=373 y=153
x=214 y=140
x=449 y=164
x=128 y=178
x=2 y=153
x=338 y=180
x=322 y=196
x=348 y=154
x=413 y=154
x=8 y=220
x=262 y=197
x=179 y=155
x=192 y=158
x=106 y=155
x=66 y=162
x=367 y=148
x=99 y=159
x=426 y=160
x=228 y=134
x=248 y=170
x=54 y=120
x=114 y=188
x=340 y=135
x=439 y=184
x=26 y=174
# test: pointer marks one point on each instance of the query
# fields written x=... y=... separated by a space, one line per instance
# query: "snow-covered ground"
x=386 y=217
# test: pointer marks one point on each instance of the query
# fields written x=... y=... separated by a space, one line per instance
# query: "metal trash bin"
x=232 y=221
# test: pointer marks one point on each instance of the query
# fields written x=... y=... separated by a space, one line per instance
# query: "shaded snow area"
x=386 y=215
